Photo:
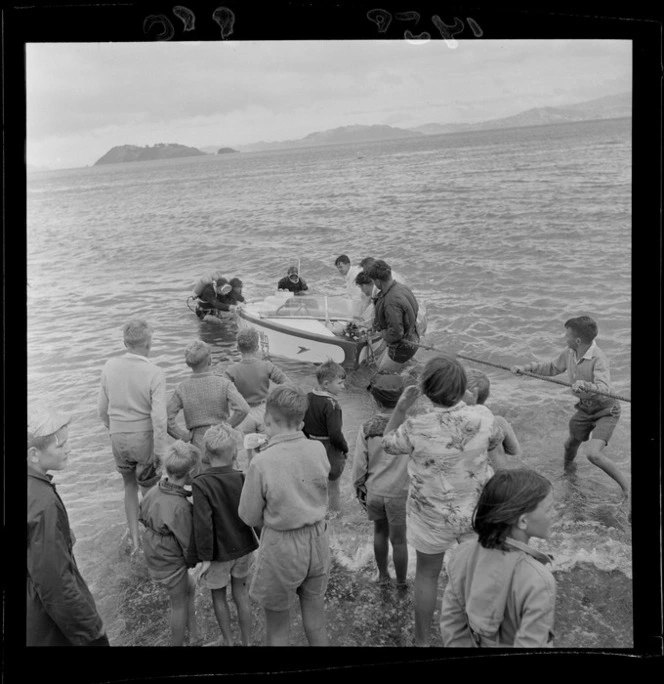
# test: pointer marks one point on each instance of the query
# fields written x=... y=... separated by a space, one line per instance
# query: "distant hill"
x=225 y=150
x=336 y=136
x=610 y=107
x=134 y=153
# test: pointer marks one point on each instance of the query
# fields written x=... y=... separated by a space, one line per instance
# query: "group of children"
x=432 y=478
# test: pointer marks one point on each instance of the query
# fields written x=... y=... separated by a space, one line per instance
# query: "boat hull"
x=302 y=340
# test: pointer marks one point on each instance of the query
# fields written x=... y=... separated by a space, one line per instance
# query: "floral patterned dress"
x=448 y=467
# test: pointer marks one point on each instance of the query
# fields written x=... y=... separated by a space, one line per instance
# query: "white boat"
x=310 y=328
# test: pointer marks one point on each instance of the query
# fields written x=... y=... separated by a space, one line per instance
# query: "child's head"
x=182 y=461
x=514 y=503
x=236 y=284
x=197 y=355
x=477 y=389
x=331 y=377
x=386 y=388
x=285 y=407
x=365 y=283
x=137 y=334
x=48 y=438
x=580 y=329
x=342 y=263
x=247 y=341
x=220 y=445
x=443 y=380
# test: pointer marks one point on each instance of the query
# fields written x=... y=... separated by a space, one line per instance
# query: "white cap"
x=44 y=421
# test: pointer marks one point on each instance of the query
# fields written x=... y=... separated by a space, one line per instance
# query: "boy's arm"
x=453 y=621
x=537 y=615
x=238 y=405
x=511 y=444
x=545 y=368
x=158 y=414
x=203 y=527
x=360 y=460
x=276 y=374
x=182 y=528
x=102 y=401
x=174 y=407
x=252 y=499
x=334 y=421
x=50 y=567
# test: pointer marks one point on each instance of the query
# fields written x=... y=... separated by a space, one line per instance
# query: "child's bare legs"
x=131 y=505
x=595 y=454
x=381 y=544
x=571 y=449
x=399 y=551
x=182 y=610
x=313 y=621
x=222 y=613
x=241 y=598
x=277 y=627
x=334 y=495
x=426 y=590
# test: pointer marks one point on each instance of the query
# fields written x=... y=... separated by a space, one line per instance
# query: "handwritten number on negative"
x=222 y=16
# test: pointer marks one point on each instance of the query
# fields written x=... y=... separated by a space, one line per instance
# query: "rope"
x=532 y=375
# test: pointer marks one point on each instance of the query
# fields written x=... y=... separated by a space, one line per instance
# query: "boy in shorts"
x=222 y=542
x=587 y=369
x=166 y=514
x=477 y=392
x=323 y=422
x=381 y=480
x=285 y=493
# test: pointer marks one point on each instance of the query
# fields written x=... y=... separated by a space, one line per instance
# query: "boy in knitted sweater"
x=206 y=398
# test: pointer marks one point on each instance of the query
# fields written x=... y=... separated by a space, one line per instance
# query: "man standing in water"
x=588 y=370
x=395 y=317
x=132 y=405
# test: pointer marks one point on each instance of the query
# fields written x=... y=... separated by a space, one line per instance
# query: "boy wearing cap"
x=60 y=610
x=292 y=282
x=132 y=405
x=381 y=480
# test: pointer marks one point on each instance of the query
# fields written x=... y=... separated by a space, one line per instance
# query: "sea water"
x=502 y=234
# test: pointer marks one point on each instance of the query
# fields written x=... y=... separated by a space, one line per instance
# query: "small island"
x=134 y=153
x=226 y=150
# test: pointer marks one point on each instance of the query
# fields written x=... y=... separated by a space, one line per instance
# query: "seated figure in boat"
x=215 y=298
x=292 y=282
x=236 y=293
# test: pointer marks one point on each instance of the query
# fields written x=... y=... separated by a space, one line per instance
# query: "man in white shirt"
x=132 y=405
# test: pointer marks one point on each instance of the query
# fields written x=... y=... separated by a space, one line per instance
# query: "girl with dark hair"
x=500 y=593
x=448 y=465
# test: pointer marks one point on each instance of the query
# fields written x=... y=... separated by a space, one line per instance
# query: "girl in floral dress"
x=448 y=467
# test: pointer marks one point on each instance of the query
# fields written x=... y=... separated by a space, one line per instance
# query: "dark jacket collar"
x=170 y=488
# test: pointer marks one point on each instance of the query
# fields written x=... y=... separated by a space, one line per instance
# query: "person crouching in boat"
x=236 y=293
x=292 y=282
x=395 y=317
x=216 y=298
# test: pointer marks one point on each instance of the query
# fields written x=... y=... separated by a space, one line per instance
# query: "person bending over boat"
x=349 y=273
x=236 y=293
x=292 y=282
x=216 y=297
x=365 y=309
x=395 y=317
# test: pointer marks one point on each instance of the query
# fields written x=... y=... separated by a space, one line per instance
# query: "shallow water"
x=504 y=235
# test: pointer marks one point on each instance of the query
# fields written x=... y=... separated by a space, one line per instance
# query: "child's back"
x=252 y=378
x=166 y=514
x=219 y=532
x=498 y=599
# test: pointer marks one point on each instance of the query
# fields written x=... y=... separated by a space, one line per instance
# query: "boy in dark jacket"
x=222 y=541
x=323 y=422
x=60 y=610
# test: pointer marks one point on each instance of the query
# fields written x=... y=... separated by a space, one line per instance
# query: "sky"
x=84 y=98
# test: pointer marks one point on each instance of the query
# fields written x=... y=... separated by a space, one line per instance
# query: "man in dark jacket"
x=60 y=610
x=215 y=298
x=395 y=317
